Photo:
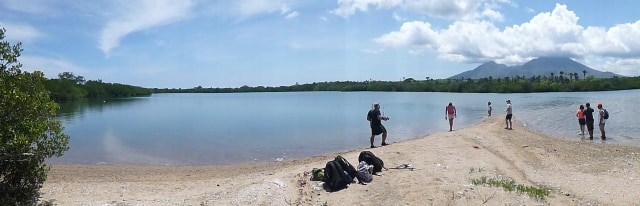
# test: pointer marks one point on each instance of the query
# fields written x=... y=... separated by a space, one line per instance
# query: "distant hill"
x=542 y=66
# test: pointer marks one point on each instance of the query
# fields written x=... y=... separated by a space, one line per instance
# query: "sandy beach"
x=576 y=172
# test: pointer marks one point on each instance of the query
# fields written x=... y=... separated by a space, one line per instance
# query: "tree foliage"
x=517 y=84
x=29 y=133
x=69 y=86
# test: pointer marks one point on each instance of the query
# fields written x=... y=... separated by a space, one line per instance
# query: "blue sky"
x=212 y=43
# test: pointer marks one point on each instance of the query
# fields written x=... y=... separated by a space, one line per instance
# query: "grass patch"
x=536 y=192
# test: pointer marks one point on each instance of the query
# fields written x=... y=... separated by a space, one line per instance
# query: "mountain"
x=542 y=66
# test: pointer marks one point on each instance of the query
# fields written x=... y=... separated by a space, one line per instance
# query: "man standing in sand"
x=509 y=115
x=588 y=115
x=450 y=113
x=375 y=121
x=489 y=109
x=601 y=120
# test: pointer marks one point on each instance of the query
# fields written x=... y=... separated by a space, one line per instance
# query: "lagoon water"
x=220 y=129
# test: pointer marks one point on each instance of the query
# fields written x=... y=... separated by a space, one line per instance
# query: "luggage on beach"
x=372 y=159
x=317 y=174
x=338 y=174
x=365 y=172
x=346 y=166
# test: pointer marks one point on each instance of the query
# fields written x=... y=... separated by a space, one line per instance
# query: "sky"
x=232 y=43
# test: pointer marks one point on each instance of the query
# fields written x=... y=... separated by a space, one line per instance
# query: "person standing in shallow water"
x=450 y=113
x=588 y=115
x=509 y=111
x=581 y=119
x=489 y=109
x=375 y=121
x=601 y=121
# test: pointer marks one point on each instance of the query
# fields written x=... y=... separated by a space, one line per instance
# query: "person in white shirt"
x=489 y=109
x=601 y=120
x=509 y=115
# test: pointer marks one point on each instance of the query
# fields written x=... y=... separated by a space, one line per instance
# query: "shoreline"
x=576 y=173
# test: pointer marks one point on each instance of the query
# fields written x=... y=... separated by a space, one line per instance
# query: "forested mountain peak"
x=542 y=66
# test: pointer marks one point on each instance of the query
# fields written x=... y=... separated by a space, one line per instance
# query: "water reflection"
x=116 y=151
x=71 y=109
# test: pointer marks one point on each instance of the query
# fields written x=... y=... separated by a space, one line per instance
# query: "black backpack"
x=606 y=114
x=338 y=174
x=372 y=159
x=347 y=166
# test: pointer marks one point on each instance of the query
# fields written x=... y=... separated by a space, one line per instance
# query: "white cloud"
x=285 y=9
x=491 y=9
x=471 y=42
x=618 y=41
x=398 y=18
x=446 y=9
x=450 y=9
x=49 y=66
x=549 y=33
x=20 y=32
x=493 y=15
x=415 y=34
x=133 y=16
x=347 y=8
x=249 y=8
x=555 y=33
x=531 y=10
x=291 y=15
x=288 y=14
x=40 y=8
x=627 y=67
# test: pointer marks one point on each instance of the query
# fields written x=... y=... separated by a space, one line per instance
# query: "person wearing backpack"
x=603 y=116
x=375 y=121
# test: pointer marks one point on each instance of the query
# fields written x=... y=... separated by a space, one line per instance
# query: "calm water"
x=216 y=129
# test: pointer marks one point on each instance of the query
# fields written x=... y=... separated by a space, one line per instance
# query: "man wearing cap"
x=375 y=120
x=509 y=115
x=601 y=120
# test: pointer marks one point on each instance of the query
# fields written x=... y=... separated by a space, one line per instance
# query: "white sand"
x=579 y=172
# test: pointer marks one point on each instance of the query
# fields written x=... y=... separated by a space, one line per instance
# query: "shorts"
x=509 y=116
x=590 y=125
x=451 y=116
x=582 y=121
x=376 y=130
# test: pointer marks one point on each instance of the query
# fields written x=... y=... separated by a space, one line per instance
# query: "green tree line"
x=518 y=84
x=69 y=86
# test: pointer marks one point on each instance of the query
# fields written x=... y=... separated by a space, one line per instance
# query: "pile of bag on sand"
x=339 y=173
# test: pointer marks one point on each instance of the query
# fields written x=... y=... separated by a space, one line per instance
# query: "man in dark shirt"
x=375 y=120
x=588 y=114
